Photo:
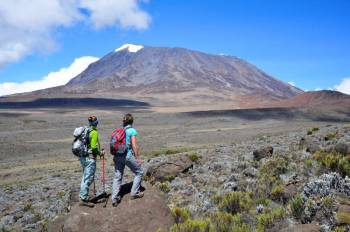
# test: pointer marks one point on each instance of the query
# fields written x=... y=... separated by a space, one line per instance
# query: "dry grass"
x=33 y=170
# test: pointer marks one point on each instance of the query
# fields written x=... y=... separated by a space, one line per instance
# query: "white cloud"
x=53 y=79
x=344 y=86
x=27 y=27
x=125 y=13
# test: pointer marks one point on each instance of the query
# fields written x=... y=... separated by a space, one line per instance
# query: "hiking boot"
x=86 y=203
x=137 y=195
x=116 y=201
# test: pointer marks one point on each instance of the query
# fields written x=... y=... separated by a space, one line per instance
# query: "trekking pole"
x=103 y=170
x=94 y=187
x=104 y=178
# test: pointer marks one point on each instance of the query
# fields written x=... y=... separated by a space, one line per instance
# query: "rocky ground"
x=271 y=175
x=291 y=182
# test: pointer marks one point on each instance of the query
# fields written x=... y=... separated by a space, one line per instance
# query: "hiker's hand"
x=102 y=154
x=138 y=161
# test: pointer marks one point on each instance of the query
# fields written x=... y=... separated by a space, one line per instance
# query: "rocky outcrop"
x=149 y=213
x=263 y=153
x=342 y=148
x=168 y=169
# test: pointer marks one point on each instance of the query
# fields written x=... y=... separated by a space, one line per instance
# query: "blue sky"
x=304 y=42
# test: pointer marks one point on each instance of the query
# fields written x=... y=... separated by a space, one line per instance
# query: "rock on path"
x=146 y=214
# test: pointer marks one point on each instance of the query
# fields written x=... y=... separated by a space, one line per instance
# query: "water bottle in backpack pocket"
x=81 y=141
x=118 y=142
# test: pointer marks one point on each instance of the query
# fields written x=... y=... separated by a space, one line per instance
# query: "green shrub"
x=327 y=202
x=180 y=215
x=28 y=206
x=275 y=166
x=343 y=218
x=328 y=160
x=309 y=132
x=267 y=219
x=339 y=229
x=216 y=222
x=164 y=187
x=315 y=129
x=194 y=157
x=61 y=194
x=344 y=166
x=222 y=221
x=235 y=202
x=269 y=176
x=331 y=161
x=278 y=213
x=192 y=226
x=296 y=206
x=169 y=178
x=330 y=136
x=308 y=162
x=264 y=201
x=38 y=216
x=277 y=192
x=242 y=228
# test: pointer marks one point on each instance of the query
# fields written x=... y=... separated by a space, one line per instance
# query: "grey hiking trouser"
x=119 y=166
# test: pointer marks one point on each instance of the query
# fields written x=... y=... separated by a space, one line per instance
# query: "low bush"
x=344 y=166
x=330 y=136
x=277 y=192
x=308 y=162
x=192 y=226
x=266 y=220
x=296 y=206
x=164 y=187
x=234 y=202
x=339 y=229
x=216 y=222
x=27 y=207
x=180 y=215
x=194 y=157
x=333 y=161
x=343 y=218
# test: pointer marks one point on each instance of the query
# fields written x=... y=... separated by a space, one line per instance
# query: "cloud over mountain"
x=25 y=29
x=344 y=86
x=53 y=79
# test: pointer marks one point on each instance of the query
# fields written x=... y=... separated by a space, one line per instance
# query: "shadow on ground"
x=277 y=114
x=73 y=103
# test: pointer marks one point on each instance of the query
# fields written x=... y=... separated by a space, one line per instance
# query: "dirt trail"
x=149 y=213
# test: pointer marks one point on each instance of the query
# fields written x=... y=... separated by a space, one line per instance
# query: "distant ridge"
x=323 y=98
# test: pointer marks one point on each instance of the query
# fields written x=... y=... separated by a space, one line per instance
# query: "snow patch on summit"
x=131 y=48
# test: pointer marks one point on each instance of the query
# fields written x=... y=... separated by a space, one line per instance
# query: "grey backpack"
x=81 y=140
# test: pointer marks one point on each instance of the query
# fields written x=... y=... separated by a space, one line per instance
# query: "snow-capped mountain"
x=173 y=76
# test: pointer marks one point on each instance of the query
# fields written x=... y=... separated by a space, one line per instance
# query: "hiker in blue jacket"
x=131 y=159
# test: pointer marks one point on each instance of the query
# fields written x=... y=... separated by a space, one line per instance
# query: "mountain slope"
x=173 y=77
x=152 y=70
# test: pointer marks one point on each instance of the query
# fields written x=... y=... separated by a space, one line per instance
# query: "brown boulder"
x=342 y=148
x=263 y=153
x=149 y=213
x=313 y=148
x=169 y=169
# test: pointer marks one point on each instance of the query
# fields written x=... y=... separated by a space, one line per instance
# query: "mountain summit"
x=177 y=76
